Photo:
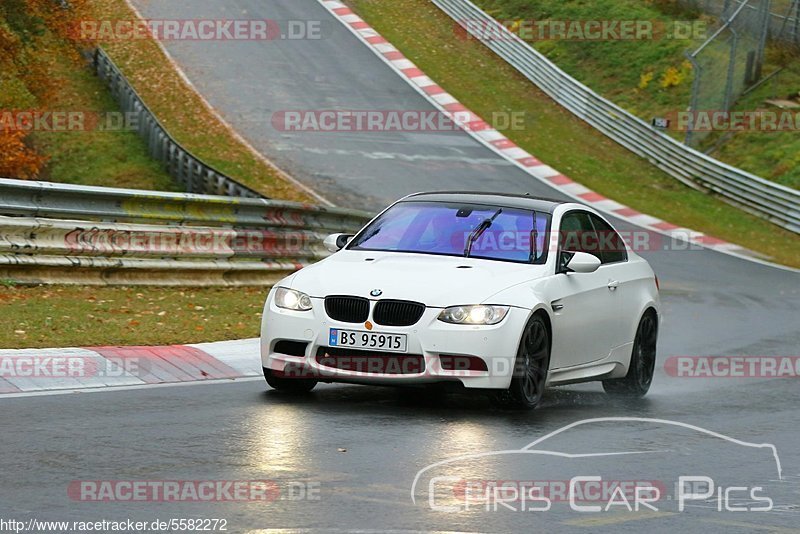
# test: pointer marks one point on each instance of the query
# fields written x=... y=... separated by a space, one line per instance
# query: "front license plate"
x=368 y=340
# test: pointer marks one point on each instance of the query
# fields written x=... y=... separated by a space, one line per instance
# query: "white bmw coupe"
x=496 y=292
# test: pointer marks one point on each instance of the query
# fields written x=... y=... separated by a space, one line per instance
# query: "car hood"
x=437 y=281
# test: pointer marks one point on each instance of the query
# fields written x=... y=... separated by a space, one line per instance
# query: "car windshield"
x=458 y=229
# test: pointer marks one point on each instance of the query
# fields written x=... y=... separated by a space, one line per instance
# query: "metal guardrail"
x=58 y=233
x=66 y=201
x=768 y=200
x=194 y=175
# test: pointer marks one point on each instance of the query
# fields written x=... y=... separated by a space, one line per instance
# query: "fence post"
x=766 y=6
x=698 y=73
x=731 y=70
x=797 y=22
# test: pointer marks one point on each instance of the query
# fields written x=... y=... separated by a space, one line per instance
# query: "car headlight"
x=480 y=314
x=292 y=300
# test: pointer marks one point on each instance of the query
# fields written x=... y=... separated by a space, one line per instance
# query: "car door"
x=585 y=310
x=621 y=282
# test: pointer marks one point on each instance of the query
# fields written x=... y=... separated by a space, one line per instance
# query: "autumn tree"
x=17 y=159
x=23 y=25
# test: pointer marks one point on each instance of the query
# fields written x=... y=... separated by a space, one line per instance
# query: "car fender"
x=528 y=295
x=654 y=304
x=539 y=308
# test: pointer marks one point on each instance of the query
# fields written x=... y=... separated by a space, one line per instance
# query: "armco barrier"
x=56 y=233
x=64 y=201
x=771 y=201
x=191 y=173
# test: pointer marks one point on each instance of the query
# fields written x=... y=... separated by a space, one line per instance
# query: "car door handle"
x=613 y=285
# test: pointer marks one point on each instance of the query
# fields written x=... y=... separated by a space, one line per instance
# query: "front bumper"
x=429 y=338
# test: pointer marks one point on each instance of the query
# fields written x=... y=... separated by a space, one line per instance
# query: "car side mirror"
x=577 y=262
x=336 y=242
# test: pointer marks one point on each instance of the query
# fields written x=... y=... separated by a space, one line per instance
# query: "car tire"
x=530 y=368
x=643 y=361
x=289 y=385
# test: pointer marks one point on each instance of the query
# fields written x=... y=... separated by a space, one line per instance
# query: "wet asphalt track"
x=713 y=305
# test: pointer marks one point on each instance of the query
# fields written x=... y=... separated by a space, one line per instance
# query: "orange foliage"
x=17 y=159
x=18 y=55
x=20 y=59
x=9 y=45
x=62 y=21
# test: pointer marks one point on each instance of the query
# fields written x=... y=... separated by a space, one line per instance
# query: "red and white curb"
x=27 y=371
x=480 y=130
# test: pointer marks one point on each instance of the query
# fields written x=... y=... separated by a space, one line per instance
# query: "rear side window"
x=611 y=244
x=577 y=234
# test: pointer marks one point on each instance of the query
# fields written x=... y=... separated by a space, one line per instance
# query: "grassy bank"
x=61 y=316
x=484 y=83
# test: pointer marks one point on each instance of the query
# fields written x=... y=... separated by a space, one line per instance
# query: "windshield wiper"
x=478 y=231
x=534 y=241
x=367 y=237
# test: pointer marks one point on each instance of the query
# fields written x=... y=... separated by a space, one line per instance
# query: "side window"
x=577 y=234
x=611 y=245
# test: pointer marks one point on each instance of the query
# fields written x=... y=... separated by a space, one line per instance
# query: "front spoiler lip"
x=324 y=373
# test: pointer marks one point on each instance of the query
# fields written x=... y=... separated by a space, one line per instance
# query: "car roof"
x=510 y=200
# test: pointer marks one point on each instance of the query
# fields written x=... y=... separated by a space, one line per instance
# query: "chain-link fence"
x=783 y=18
x=731 y=60
x=784 y=21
